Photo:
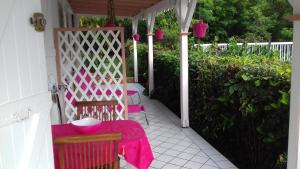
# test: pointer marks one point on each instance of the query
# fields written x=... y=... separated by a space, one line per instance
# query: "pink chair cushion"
x=135 y=108
x=131 y=92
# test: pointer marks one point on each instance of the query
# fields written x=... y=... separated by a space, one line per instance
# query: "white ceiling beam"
x=184 y=11
x=103 y=16
x=66 y=6
x=159 y=7
x=295 y=5
x=150 y=22
x=190 y=14
x=135 y=23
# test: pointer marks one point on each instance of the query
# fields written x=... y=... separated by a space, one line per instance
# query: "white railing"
x=284 y=48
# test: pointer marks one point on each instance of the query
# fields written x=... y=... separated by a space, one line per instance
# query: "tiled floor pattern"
x=175 y=147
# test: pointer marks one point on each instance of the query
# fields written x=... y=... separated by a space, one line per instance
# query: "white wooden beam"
x=66 y=11
x=66 y=6
x=296 y=6
x=294 y=124
x=150 y=26
x=184 y=11
x=189 y=15
x=134 y=26
x=156 y=8
x=104 y=16
x=65 y=20
x=135 y=54
x=184 y=81
x=70 y=21
x=77 y=20
x=150 y=22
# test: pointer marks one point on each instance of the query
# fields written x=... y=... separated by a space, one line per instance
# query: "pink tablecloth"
x=134 y=141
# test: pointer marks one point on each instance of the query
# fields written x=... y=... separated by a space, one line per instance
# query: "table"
x=134 y=145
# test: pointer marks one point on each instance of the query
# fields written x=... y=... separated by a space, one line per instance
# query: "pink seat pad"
x=131 y=92
x=135 y=108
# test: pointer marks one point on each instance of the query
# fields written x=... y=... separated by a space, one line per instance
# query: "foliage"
x=251 y=20
x=96 y=22
x=240 y=104
x=142 y=62
x=168 y=23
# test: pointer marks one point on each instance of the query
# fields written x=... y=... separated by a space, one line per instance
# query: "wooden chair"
x=101 y=110
x=88 y=151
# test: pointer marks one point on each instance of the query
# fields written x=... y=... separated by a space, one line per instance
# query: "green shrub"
x=142 y=50
x=239 y=104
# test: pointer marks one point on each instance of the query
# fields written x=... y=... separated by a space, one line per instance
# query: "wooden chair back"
x=88 y=151
x=101 y=110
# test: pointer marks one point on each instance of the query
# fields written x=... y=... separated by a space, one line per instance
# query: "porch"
x=173 y=146
x=25 y=102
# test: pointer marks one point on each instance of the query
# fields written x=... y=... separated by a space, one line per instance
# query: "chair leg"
x=131 y=99
x=146 y=118
x=140 y=100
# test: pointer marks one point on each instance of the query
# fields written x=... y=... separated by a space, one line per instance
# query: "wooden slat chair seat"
x=89 y=151
x=101 y=110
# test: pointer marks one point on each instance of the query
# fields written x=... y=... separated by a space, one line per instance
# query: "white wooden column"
x=77 y=20
x=294 y=128
x=65 y=14
x=70 y=20
x=150 y=26
x=184 y=12
x=135 y=55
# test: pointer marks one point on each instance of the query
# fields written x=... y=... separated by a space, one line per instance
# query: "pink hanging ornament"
x=159 y=34
x=200 y=29
x=136 y=37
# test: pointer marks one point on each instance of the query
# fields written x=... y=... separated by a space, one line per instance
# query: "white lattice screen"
x=91 y=63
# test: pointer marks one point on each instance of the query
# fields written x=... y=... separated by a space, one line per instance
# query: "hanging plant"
x=200 y=29
x=111 y=18
x=136 y=37
x=159 y=34
x=109 y=24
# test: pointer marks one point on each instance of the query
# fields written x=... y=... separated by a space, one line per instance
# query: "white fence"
x=284 y=48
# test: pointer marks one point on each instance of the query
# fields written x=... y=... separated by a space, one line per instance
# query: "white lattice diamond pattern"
x=91 y=67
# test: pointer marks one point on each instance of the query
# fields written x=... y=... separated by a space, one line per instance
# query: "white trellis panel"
x=91 y=64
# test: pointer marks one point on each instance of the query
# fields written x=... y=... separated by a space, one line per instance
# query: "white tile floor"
x=175 y=147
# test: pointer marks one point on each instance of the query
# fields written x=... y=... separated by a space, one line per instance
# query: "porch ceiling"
x=123 y=8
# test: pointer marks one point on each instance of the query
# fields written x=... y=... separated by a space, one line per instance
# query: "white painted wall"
x=24 y=143
x=51 y=10
x=58 y=14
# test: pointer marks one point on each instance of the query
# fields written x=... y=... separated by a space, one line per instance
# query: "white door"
x=25 y=132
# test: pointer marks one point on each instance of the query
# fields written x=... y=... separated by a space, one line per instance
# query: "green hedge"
x=239 y=104
x=142 y=62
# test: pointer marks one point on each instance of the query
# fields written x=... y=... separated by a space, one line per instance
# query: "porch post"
x=77 y=20
x=184 y=12
x=184 y=80
x=150 y=25
x=65 y=14
x=294 y=128
x=135 y=55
